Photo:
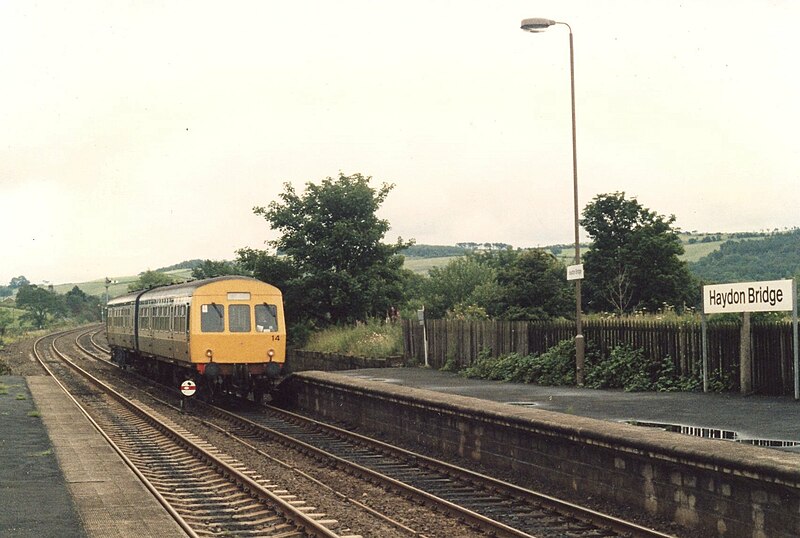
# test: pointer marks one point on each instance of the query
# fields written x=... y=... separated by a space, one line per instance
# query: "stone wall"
x=714 y=488
x=301 y=361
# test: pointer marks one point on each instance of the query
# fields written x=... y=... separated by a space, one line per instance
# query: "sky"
x=135 y=135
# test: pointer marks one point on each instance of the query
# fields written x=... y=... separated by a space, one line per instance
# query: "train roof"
x=185 y=289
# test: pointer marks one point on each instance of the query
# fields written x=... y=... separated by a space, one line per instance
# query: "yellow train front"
x=226 y=333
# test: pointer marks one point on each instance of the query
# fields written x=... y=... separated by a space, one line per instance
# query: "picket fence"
x=771 y=344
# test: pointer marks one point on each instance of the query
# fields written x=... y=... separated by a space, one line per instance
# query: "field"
x=423 y=265
x=693 y=252
x=117 y=288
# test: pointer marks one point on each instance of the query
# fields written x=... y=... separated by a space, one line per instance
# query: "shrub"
x=556 y=366
x=621 y=368
x=628 y=369
x=451 y=364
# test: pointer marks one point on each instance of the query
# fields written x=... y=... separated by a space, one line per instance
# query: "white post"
x=704 y=326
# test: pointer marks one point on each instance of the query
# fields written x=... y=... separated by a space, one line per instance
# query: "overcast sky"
x=135 y=135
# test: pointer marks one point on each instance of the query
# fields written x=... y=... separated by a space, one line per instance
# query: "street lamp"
x=536 y=26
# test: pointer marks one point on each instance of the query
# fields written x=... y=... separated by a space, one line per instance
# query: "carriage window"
x=211 y=318
x=239 y=318
x=266 y=318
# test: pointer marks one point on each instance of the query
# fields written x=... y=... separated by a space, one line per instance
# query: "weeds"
x=372 y=339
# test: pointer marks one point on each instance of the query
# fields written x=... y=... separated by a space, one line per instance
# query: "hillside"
x=772 y=257
x=712 y=257
x=119 y=285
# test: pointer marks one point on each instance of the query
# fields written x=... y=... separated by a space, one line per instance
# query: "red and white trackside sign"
x=188 y=388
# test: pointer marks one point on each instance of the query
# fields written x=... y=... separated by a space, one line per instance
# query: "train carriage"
x=225 y=332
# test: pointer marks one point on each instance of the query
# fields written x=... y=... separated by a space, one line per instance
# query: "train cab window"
x=211 y=318
x=266 y=318
x=239 y=318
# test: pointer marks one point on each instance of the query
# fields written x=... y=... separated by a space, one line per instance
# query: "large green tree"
x=40 y=304
x=634 y=259
x=333 y=239
x=456 y=285
x=532 y=285
x=81 y=306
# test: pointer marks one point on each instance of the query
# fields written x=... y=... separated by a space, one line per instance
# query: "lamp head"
x=536 y=25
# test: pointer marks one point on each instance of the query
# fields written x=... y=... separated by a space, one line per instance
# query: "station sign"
x=575 y=272
x=765 y=296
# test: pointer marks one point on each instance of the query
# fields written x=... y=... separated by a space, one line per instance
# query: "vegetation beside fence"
x=459 y=344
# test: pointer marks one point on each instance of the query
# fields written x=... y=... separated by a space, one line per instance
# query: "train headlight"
x=209 y=354
x=271 y=354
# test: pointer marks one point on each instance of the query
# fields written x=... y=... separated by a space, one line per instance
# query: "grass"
x=34 y=414
x=42 y=454
x=21 y=397
x=120 y=287
x=373 y=339
x=423 y=265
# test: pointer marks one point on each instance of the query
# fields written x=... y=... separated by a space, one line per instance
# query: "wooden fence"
x=462 y=341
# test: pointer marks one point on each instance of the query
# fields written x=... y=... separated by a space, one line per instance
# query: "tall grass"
x=373 y=339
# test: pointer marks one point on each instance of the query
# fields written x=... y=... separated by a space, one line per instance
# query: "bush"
x=625 y=368
x=556 y=366
x=628 y=369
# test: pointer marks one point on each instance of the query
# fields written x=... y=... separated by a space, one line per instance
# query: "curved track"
x=490 y=505
x=208 y=493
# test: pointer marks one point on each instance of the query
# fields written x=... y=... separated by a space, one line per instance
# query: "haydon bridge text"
x=753 y=295
x=769 y=296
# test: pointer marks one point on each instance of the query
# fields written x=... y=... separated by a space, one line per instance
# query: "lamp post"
x=536 y=26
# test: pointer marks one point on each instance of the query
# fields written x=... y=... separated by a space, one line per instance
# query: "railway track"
x=206 y=491
x=489 y=505
x=493 y=506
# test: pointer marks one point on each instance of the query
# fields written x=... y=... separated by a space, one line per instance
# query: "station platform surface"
x=59 y=477
x=759 y=420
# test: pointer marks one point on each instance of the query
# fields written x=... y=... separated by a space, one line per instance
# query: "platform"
x=67 y=481
x=753 y=419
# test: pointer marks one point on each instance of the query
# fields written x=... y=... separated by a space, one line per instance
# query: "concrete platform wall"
x=715 y=488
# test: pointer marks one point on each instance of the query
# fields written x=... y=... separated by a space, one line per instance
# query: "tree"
x=532 y=287
x=39 y=304
x=455 y=285
x=81 y=306
x=333 y=239
x=17 y=282
x=211 y=269
x=634 y=258
x=281 y=273
x=150 y=279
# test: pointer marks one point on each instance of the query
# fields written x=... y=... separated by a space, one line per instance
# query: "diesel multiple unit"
x=227 y=333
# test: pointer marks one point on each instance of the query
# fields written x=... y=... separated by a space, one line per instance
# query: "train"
x=227 y=334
